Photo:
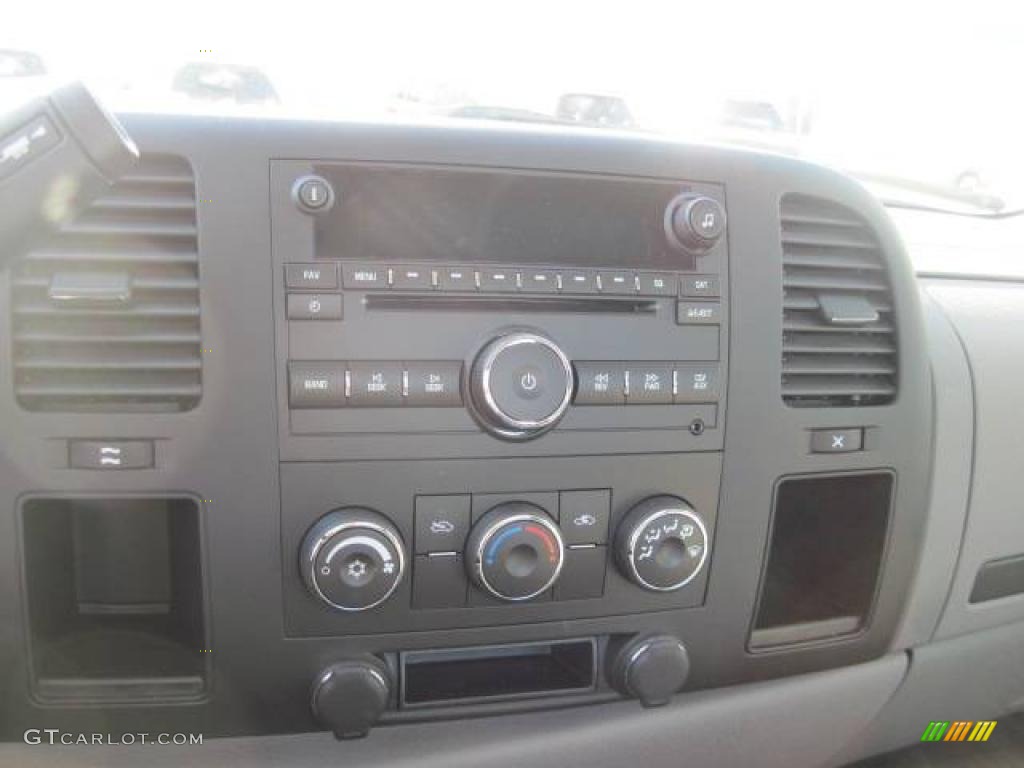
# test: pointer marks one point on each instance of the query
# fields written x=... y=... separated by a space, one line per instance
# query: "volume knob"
x=521 y=385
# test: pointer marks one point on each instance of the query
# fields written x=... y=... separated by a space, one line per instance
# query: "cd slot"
x=436 y=303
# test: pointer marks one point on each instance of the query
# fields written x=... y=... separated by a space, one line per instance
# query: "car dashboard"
x=496 y=443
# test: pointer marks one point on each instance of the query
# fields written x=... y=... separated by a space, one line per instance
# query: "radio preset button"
x=412 y=278
x=456 y=279
x=540 y=281
x=499 y=280
x=316 y=385
x=618 y=283
x=434 y=383
x=314 y=306
x=579 y=281
x=649 y=384
x=696 y=383
x=657 y=284
x=600 y=383
x=363 y=276
x=309 y=276
x=375 y=384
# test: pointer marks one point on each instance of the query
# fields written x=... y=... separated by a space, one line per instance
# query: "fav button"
x=308 y=276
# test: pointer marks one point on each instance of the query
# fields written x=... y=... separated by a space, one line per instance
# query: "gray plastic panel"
x=973 y=677
x=781 y=724
x=989 y=318
x=952 y=449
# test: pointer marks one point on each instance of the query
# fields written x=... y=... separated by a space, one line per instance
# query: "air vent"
x=839 y=329
x=106 y=313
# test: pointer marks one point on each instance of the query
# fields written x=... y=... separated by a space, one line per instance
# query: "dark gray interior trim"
x=722 y=727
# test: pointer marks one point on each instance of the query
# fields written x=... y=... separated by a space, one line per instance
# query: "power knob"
x=521 y=384
x=352 y=559
x=694 y=223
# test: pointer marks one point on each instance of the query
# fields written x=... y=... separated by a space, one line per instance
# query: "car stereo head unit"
x=456 y=311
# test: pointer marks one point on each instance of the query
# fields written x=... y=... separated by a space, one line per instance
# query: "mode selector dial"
x=515 y=551
x=521 y=384
x=661 y=544
x=352 y=559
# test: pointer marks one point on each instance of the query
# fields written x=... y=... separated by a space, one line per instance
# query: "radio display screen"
x=399 y=213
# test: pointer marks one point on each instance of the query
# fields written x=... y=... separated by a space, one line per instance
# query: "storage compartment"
x=114 y=588
x=824 y=558
x=497 y=673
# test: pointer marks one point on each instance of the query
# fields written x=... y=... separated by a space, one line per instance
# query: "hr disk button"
x=375 y=383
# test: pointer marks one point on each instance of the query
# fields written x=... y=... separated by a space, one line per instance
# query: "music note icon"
x=708 y=221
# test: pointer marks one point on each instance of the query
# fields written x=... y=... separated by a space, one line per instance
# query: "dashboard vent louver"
x=838 y=328
x=106 y=312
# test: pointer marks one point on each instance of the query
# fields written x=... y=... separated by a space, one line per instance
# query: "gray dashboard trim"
x=782 y=722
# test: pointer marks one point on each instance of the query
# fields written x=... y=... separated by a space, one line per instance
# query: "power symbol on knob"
x=528 y=381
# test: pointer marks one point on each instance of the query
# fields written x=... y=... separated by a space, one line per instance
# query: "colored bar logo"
x=958 y=730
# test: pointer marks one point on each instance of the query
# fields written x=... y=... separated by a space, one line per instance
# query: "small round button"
x=352 y=559
x=662 y=544
x=521 y=384
x=694 y=223
x=313 y=194
x=515 y=551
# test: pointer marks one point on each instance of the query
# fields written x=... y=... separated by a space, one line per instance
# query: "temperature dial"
x=515 y=551
x=662 y=544
x=352 y=559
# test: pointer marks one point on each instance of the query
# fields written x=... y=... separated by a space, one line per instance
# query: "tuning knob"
x=521 y=384
x=650 y=668
x=515 y=552
x=348 y=697
x=694 y=223
x=352 y=559
x=661 y=544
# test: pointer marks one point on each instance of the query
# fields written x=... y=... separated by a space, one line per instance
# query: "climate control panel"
x=489 y=550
